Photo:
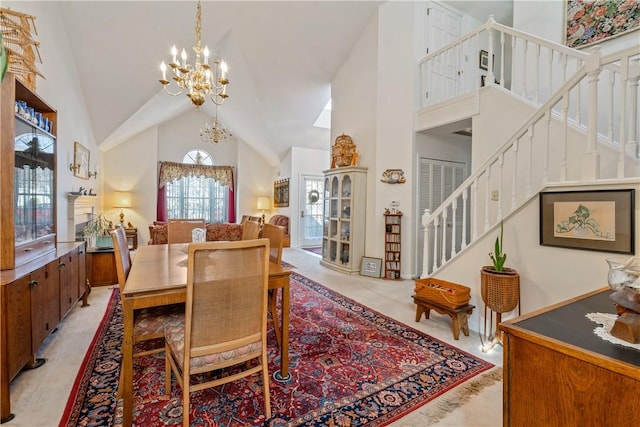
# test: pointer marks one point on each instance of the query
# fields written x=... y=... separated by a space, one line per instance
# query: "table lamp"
x=122 y=200
x=263 y=205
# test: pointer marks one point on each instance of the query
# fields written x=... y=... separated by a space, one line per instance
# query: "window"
x=197 y=197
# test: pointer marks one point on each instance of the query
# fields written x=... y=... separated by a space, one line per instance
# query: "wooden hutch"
x=41 y=279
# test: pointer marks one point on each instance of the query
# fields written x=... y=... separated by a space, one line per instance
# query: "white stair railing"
x=454 y=69
x=515 y=168
x=530 y=67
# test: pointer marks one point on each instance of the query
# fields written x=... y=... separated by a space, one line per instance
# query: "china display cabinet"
x=28 y=146
x=343 y=234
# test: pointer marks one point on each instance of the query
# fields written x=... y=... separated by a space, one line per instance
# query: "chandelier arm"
x=171 y=93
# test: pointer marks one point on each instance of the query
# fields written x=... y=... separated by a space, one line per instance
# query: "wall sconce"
x=122 y=200
x=263 y=205
x=74 y=167
x=93 y=175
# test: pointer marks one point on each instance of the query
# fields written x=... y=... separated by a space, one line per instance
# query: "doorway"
x=437 y=180
x=311 y=210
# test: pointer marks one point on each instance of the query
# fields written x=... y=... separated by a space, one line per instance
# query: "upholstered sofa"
x=282 y=221
x=215 y=231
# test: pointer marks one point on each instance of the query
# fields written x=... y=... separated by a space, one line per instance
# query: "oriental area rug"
x=349 y=366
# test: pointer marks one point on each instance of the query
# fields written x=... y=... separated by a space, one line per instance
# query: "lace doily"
x=607 y=320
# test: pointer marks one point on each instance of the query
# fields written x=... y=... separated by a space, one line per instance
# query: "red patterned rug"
x=350 y=366
x=314 y=250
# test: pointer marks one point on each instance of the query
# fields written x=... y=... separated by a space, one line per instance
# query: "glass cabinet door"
x=33 y=182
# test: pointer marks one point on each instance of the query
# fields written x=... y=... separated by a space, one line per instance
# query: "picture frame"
x=599 y=220
x=483 y=60
x=81 y=157
x=281 y=193
x=371 y=267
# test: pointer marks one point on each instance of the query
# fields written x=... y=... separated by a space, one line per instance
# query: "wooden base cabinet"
x=558 y=372
x=34 y=298
x=101 y=267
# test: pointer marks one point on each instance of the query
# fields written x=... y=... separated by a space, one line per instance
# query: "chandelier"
x=200 y=79
x=214 y=131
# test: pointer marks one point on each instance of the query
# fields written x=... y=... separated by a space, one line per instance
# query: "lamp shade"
x=122 y=199
x=263 y=203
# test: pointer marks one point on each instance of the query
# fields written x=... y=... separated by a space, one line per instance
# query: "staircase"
x=583 y=129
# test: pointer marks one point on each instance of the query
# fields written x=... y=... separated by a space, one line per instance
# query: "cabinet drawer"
x=35 y=248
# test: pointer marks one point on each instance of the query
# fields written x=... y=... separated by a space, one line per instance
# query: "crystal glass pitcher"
x=623 y=272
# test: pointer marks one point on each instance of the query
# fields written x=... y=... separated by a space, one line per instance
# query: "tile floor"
x=38 y=397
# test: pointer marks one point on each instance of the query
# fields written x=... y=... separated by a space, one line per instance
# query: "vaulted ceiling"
x=282 y=57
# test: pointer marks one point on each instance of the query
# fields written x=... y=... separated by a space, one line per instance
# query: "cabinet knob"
x=33 y=284
x=61 y=266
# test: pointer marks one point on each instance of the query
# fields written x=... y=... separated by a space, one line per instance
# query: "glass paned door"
x=311 y=210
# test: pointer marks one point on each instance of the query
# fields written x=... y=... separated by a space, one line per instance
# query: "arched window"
x=197 y=196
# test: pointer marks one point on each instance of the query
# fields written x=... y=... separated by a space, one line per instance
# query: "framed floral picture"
x=600 y=220
x=80 y=164
x=589 y=22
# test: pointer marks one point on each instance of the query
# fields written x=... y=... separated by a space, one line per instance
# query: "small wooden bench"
x=458 y=315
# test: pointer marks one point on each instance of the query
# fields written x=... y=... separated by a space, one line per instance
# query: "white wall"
x=60 y=90
x=133 y=167
x=394 y=124
x=354 y=110
x=254 y=177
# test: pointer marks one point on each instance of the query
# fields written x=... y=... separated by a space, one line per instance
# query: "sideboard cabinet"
x=558 y=372
x=343 y=232
x=34 y=298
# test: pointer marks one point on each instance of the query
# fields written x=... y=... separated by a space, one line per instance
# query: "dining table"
x=158 y=277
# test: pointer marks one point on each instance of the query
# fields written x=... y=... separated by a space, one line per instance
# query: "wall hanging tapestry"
x=591 y=22
x=281 y=193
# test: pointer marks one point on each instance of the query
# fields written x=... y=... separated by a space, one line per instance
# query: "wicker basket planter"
x=500 y=289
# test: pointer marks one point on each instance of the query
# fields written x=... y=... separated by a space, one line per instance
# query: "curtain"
x=170 y=171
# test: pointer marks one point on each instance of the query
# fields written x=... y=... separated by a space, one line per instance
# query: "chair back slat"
x=226 y=291
x=122 y=255
x=275 y=234
x=250 y=230
x=179 y=229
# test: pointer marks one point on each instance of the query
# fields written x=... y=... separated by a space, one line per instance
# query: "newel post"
x=425 y=244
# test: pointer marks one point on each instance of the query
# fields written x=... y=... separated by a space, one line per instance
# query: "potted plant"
x=97 y=232
x=500 y=285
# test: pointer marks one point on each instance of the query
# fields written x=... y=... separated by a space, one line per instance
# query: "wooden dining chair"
x=275 y=234
x=250 y=230
x=227 y=284
x=179 y=229
x=148 y=322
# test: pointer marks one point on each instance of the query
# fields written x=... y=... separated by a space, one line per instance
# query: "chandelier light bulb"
x=174 y=53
